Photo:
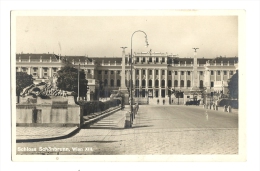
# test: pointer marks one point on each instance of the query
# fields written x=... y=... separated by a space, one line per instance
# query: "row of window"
x=142 y=59
x=169 y=72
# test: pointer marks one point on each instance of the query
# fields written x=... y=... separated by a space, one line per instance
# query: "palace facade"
x=154 y=74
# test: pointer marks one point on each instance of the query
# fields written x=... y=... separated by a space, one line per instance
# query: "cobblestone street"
x=156 y=130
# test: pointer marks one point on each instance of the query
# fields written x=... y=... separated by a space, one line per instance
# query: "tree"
x=233 y=86
x=23 y=80
x=68 y=80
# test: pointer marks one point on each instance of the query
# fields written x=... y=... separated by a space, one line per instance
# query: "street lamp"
x=131 y=64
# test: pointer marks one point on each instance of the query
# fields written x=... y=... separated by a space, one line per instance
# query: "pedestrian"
x=157 y=101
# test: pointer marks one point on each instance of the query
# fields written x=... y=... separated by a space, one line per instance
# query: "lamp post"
x=131 y=64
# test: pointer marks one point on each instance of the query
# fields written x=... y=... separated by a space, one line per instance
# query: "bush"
x=227 y=102
x=97 y=106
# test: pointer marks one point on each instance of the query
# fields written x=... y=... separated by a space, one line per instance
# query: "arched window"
x=175 y=83
x=105 y=82
x=169 y=83
x=137 y=83
x=201 y=83
x=182 y=83
x=163 y=83
x=188 y=83
x=150 y=83
x=143 y=83
x=112 y=83
x=156 y=83
x=118 y=83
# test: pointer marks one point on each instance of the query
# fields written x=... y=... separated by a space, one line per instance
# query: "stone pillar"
x=215 y=75
x=172 y=78
x=146 y=81
x=19 y=69
x=185 y=79
x=50 y=71
x=179 y=79
x=153 y=79
x=134 y=78
x=102 y=76
x=160 y=77
x=108 y=78
x=115 y=81
x=228 y=72
x=123 y=86
x=29 y=70
x=40 y=68
x=221 y=75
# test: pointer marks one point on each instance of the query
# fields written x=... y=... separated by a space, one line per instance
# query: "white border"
x=252 y=63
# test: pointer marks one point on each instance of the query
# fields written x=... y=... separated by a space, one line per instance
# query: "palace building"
x=155 y=74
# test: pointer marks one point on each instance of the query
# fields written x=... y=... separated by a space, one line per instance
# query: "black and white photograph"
x=137 y=85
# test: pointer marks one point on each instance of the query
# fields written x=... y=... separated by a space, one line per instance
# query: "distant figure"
x=172 y=101
x=163 y=102
x=157 y=101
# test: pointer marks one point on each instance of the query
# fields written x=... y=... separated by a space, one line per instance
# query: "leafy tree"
x=233 y=86
x=68 y=80
x=23 y=80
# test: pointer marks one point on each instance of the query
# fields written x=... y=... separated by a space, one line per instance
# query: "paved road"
x=156 y=130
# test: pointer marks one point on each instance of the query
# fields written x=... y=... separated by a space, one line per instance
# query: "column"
x=40 y=72
x=185 y=79
x=29 y=70
x=209 y=78
x=228 y=72
x=160 y=80
x=173 y=78
x=221 y=75
x=92 y=74
x=179 y=79
x=140 y=78
x=50 y=71
x=166 y=78
x=191 y=79
x=215 y=75
x=102 y=76
x=108 y=78
x=146 y=81
x=19 y=69
x=153 y=79
x=115 y=81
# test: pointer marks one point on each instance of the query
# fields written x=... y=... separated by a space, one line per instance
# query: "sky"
x=102 y=36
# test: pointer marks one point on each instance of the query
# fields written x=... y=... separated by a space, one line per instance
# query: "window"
x=182 y=83
x=143 y=83
x=137 y=83
x=137 y=72
x=201 y=72
x=163 y=72
x=188 y=72
x=99 y=72
x=156 y=60
x=156 y=83
x=169 y=73
x=118 y=83
x=176 y=73
x=143 y=72
x=218 y=72
x=45 y=69
x=105 y=72
x=175 y=83
x=225 y=72
x=150 y=83
x=88 y=70
x=54 y=69
x=24 y=69
x=105 y=82
x=201 y=83
x=163 y=83
x=118 y=72
x=188 y=83
x=143 y=59
x=169 y=83
x=111 y=72
x=150 y=59
x=34 y=69
x=211 y=84
x=156 y=72
x=150 y=72
x=163 y=59
x=137 y=59
x=112 y=83
x=212 y=72
x=231 y=72
x=182 y=72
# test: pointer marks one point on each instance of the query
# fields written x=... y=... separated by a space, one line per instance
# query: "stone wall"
x=48 y=115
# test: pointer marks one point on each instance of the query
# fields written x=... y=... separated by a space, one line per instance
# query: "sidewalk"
x=34 y=134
